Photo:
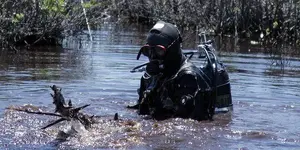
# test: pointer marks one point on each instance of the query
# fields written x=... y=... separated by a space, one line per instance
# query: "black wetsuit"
x=179 y=88
x=183 y=94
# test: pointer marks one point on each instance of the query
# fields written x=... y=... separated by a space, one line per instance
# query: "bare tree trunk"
x=220 y=17
x=297 y=22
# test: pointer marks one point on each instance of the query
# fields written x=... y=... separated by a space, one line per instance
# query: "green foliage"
x=17 y=17
x=275 y=24
x=33 y=22
x=53 y=6
x=90 y=4
x=236 y=10
x=268 y=31
x=87 y=5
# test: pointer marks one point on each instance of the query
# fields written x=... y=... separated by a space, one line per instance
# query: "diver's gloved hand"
x=186 y=105
x=187 y=101
x=136 y=106
x=153 y=68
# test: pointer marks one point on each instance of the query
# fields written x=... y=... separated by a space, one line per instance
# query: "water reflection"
x=37 y=65
x=265 y=98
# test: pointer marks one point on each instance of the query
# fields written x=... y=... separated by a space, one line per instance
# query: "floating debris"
x=65 y=112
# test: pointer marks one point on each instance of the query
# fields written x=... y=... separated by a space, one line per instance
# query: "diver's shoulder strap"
x=184 y=68
x=190 y=68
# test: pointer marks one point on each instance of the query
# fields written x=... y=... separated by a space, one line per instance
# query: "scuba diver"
x=172 y=86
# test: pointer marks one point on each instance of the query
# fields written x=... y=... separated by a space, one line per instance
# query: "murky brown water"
x=266 y=99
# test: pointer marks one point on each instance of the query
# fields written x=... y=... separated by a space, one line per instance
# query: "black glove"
x=153 y=68
x=187 y=101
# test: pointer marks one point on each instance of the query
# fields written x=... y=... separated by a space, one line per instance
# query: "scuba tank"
x=216 y=72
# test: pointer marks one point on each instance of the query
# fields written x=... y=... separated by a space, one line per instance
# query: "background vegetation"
x=29 y=22
x=40 y=22
x=272 y=22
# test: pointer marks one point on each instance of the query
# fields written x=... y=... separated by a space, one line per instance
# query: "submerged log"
x=68 y=112
x=65 y=112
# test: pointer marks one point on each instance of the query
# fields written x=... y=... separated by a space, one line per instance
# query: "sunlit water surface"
x=265 y=97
